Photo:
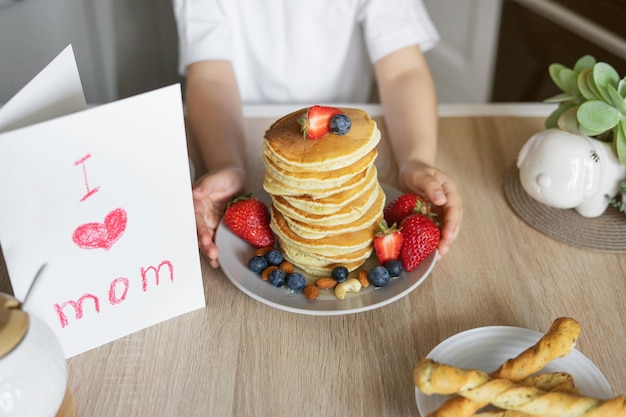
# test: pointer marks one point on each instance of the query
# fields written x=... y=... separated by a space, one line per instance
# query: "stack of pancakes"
x=326 y=200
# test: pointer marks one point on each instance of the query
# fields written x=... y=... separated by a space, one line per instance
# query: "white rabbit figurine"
x=564 y=170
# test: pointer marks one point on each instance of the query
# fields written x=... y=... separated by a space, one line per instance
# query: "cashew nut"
x=349 y=285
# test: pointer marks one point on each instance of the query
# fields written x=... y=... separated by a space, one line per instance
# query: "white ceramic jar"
x=33 y=369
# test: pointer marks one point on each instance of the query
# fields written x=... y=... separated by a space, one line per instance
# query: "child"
x=309 y=52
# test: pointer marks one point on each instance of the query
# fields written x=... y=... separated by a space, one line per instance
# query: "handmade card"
x=102 y=197
x=55 y=91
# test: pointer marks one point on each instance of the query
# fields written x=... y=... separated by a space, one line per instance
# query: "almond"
x=362 y=277
x=265 y=274
x=286 y=267
x=263 y=251
x=325 y=283
x=311 y=292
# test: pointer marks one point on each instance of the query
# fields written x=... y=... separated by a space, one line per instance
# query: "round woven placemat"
x=606 y=233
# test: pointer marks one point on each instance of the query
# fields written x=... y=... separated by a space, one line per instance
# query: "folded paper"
x=102 y=197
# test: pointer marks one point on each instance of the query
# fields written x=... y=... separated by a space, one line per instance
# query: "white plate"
x=234 y=255
x=486 y=348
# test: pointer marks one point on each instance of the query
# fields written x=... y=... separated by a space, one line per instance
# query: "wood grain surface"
x=239 y=357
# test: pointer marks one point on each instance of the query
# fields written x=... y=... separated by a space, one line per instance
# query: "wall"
x=535 y=34
x=124 y=47
x=463 y=62
x=146 y=45
x=33 y=32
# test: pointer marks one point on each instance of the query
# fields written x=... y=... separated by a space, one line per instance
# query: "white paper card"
x=103 y=197
x=55 y=91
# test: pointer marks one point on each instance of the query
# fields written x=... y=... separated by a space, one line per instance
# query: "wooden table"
x=240 y=357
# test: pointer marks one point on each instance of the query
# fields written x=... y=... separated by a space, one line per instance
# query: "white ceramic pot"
x=565 y=170
x=33 y=369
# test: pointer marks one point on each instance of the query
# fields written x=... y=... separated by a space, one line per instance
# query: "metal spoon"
x=33 y=282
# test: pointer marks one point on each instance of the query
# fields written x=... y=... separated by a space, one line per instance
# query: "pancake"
x=326 y=199
x=346 y=214
x=310 y=230
x=315 y=265
x=323 y=259
x=332 y=245
x=313 y=180
x=322 y=270
x=333 y=203
x=285 y=146
x=275 y=187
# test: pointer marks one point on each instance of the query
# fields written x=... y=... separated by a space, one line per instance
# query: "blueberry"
x=257 y=264
x=394 y=267
x=340 y=273
x=277 y=278
x=274 y=257
x=296 y=281
x=378 y=276
x=340 y=124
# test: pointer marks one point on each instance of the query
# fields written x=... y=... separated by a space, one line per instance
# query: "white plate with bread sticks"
x=502 y=371
x=235 y=252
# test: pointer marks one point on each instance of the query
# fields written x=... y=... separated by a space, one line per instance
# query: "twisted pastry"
x=554 y=381
x=558 y=341
x=551 y=381
x=435 y=378
x=502 y=413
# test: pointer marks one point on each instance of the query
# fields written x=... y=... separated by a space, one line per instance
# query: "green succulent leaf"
x=597 y=116
x=620 y=141
x=604 y=76
x=584 y=89
x=621 y=87
x=568 y=121
x=587 y=132
x=584 y=62
x=569 y=82
x=587 y=86
x=554 y=70
x=553 y=119
x=616 y=100
x=560 y=98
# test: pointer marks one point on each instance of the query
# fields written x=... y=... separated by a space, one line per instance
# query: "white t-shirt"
x=300 y=51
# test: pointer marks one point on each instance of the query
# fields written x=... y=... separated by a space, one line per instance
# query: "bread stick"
x=452 y=380
x=607 y=409
x=553 y=381
x=558 y=341
x=502 y=413
x=436 y=378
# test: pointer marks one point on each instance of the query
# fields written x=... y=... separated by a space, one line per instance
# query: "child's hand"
x=211 y=193
x=442 y=191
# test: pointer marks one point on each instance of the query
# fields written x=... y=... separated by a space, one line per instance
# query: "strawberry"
x=405 y=204
x=316 y=122
x=387 y=243
x=421 y=238
x=248 y=218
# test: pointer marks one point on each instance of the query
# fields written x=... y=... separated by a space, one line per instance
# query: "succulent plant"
x=592 y=102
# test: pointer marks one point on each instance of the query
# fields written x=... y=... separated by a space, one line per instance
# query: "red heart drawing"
x=101 y=235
